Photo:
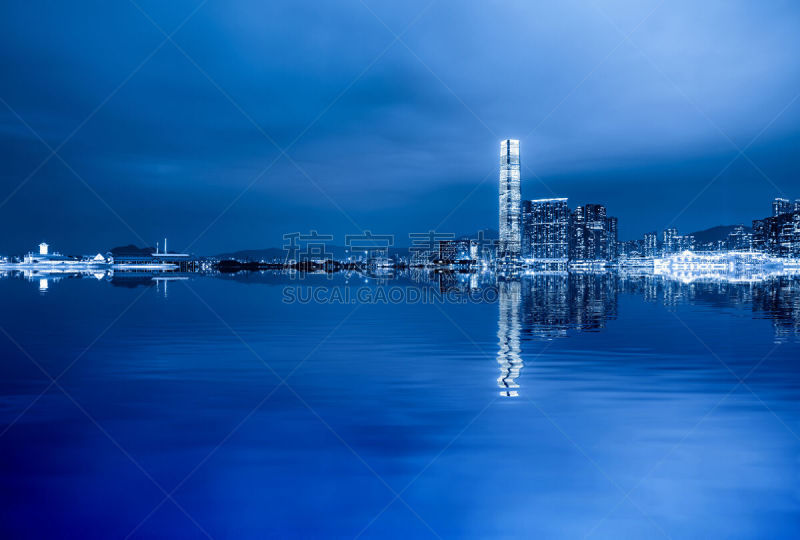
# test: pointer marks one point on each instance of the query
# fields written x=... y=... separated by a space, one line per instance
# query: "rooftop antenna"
x=165 y=246
x=156 y=248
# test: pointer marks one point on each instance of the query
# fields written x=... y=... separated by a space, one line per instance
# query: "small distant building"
x=685 y=243
x=458 y=251
x=650 y=247
x=675 y=243
x=612 y=237
x=132 y=257
x=739 y=240
x=630 y=249
x=669 y=245
x=97 y=259
x=182 y=260
x=714 y=245
x=739 y=265
x=45 y=257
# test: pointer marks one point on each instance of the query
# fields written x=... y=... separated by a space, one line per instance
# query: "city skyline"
x=638 y=125
x=301 y=269
x=548 y=231
x=552 y=222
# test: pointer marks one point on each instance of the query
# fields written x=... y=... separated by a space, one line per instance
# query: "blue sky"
x=258 y=119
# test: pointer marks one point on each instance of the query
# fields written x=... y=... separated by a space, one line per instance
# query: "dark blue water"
x=547 y=407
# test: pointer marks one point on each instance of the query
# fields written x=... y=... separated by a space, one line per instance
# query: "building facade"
x=739 y=240
x=685 y=243
x=509 y=246
x=675 y=243
x=630 y=249
x=669 y=243
x=545 y=230
x=458 y=251
x=781 y=206
x=650 y=247
x=612 y=237
x=778 y=235
x=593 y=235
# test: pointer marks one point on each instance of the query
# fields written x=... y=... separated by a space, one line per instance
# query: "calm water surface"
x=548 y=407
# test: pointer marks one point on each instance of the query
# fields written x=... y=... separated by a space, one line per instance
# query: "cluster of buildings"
x=546 y=231
x=540 y=232
x=779 y=234
x=651 y=245
x=45 y=260
x=670 y=242
x=537 y=233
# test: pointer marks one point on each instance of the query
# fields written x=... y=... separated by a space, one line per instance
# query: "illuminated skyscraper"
x=778 y=235
x=612 y=237
x=592 y=236
x=781 y=206
x=509 y=245
x=545 y=230
x=455 y=251
x=650 y=244
x=670 y=245
x=739 y=240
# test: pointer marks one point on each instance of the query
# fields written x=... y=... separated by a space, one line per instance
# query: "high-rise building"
x=597 y=228
x=578 y=249
x=590 y=234
x=684 y=243
x=509 y=244
x=612 y=238
x=778 y=235
x=739 y=240
x=670 y=244
x=630 y=249
x=545 y=230
x=650 y=248
x=458 y=251
x=781 y=206
x=675 y=243
x=761 y=235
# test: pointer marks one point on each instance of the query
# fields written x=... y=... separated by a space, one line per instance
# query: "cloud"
x=401 y=142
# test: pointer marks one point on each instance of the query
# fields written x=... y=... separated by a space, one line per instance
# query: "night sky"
x=184 y=137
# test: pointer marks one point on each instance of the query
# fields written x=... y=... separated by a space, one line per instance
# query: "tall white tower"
x=509 y=247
